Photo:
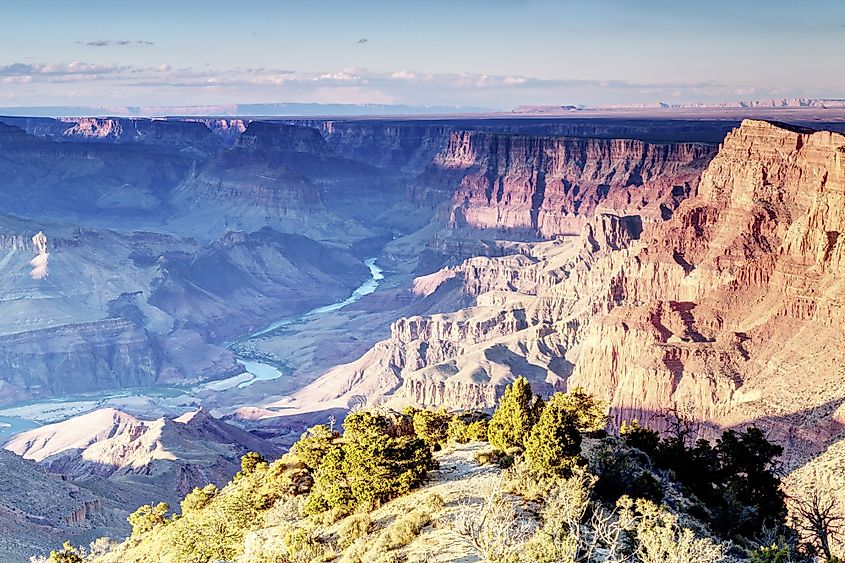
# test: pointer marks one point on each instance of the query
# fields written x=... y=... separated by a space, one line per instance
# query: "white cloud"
x=98 y=84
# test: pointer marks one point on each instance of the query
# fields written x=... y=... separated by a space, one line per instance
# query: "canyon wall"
x=728 y=308
x=545 y=187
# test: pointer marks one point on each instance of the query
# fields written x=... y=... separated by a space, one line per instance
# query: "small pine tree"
x=514 y=417
x=250 y=462
x=313 y=445
x=590 y=413
x=554 y=444
x=637 y=436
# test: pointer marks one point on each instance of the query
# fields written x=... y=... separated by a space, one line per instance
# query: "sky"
x=495 y=54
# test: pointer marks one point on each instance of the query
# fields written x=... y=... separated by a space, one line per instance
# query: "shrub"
x=514 y=417
x=623 y=472
x=354 y=527
x=458 y=430
x=250 y=463
x=370 y=467
x=486 y=457
x=148 y=517
x=198 y=498
x=68 y=554
x=432 y=427
x=314 y=445
x=554 y=444
x=588 y=412
x=659 y=538
x=640 y=437
x=303 y=546
x=433 y=502
x=407 y=527
x=477 y=431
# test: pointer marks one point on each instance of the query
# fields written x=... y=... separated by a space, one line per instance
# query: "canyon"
x=661 y=265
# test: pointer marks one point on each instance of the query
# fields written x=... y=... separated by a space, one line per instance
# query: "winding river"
x=262 y=371
x=25 y=415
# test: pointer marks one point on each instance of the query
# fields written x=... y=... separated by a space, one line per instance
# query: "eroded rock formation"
x=729 y=309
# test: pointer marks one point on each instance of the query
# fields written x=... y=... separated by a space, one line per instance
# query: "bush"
x=303 y=546
x=250 y=464
x=660 y=538
x=370 y=467
x=623 y=472
x=198 y=498
x=407 y=527
x=68 y=554
x=487 y=457
x=458 y=431
x=432 y=427
x=636 y=436
x=314 y=445
x=514 y=417
x=354 y=527
x=588 y=412
x=148 y=517
x=477 y=431
x=433 y=502
x=554 y=444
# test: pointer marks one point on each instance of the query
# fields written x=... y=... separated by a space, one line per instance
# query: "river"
x=30 y=414
x=264 y=371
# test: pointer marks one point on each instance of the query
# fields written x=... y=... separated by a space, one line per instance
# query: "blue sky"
x=491 y=53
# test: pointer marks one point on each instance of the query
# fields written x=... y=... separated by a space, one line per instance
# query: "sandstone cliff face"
x=748 y=269
x=553 y=186
x=192 y=136
x=710 y=310
x=73 y=358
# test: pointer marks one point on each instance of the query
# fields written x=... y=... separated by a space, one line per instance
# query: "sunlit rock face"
x=710 y=309
x=553 y=186
x=172 y=454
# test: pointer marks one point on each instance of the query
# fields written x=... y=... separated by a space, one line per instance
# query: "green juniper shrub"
x=368 y=466
x=250 y=463
x=313 y=445
x=554 y=443
x=640 y=437
x=68 y=554
x=590 y=414
x=477 y=431
x=516 y=414
x=148 y=517
x=458 y=431
x=736 y=479
x=623 y=472
x=198 y=498
x=433 y=427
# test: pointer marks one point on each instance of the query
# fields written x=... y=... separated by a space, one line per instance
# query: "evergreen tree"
x=313 y=446
x=148 y=517
x=554 y=443
x=514 y=417
x=68 y=554
x=433 y=427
